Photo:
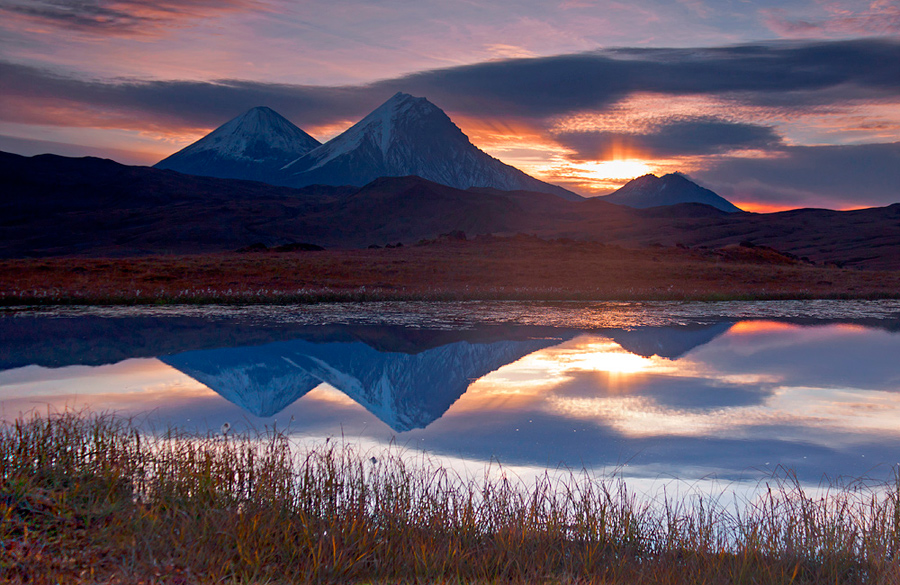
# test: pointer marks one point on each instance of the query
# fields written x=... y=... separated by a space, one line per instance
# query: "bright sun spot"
x=614 y=363
x=613 y=169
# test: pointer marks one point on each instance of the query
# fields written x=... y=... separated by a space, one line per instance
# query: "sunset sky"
x=773 y=105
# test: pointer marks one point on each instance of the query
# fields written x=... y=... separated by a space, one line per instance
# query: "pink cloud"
x=879 y=17
x=121 y=18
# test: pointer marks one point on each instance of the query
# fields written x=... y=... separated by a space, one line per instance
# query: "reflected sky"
x=727 y=400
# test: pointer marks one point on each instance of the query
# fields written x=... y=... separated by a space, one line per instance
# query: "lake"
x=720 y=394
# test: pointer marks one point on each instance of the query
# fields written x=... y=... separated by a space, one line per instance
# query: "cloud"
x=694 y=136
x=879 y=17
x=819 y=176
x=788 y=80
x=535 y=89
x=41 y=97
x=675 y=392
x=121 y=18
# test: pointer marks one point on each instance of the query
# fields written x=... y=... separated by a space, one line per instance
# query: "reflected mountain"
x=404 y=390
x=667 y=342
x=727 y=399
x=55 y=341
x=406 y=378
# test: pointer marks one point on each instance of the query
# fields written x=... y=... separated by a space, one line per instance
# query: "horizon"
x=773 y=107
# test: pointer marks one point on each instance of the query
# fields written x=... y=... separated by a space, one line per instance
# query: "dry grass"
x=92 y=500
x=521 y=268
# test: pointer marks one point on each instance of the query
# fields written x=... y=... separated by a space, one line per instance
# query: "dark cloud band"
x=812 y=176
x=793 y=74
x=682 y=137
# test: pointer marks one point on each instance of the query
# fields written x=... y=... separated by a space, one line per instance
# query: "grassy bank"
x=92 y=500
x=518 y=268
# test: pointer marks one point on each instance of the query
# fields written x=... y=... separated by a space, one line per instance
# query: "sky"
x=773 y=105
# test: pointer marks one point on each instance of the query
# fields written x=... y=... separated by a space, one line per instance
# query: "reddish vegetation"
x=521 y=267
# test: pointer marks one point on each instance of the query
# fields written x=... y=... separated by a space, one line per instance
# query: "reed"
x=91 y=499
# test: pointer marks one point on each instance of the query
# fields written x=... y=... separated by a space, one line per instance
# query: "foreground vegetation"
x=92 y=500
x=489 y=268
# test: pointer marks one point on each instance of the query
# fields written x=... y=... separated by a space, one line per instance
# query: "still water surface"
x=723 y=392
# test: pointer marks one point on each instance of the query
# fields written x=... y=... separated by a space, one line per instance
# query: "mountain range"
x=406 y=135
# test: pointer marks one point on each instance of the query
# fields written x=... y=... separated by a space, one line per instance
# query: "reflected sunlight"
x=327 y=393
x=612 y=362
x=752 y=327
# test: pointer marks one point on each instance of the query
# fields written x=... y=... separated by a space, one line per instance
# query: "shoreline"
x=91 y=499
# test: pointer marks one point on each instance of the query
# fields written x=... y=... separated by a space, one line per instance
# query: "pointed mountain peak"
x=251 y=146
x=403 y=102
x=397 y=124
x=648 y=179
x=260 y=123
x=259 y=114
x=409 y=135
x=404 y=109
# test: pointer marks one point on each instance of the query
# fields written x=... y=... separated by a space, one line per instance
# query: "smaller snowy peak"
x=252 y=146
x=238 y=136
x=671 y=189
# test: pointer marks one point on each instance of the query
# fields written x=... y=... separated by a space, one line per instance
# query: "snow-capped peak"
x=380 y=127
x=251 y=146
x=407 y=135
x=238 y=137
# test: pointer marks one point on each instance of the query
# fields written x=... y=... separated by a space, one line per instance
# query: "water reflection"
x=404 y=390
x=724 y=398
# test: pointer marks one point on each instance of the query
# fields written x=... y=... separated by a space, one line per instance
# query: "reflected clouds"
x=721 y=398
x=770 y=401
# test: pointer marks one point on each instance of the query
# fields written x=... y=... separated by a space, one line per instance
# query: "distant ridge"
x=405 y=136
x=670 y=189
x=61 y=206
x=252 y=146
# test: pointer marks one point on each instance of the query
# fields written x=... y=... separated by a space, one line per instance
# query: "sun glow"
x=610 y=170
